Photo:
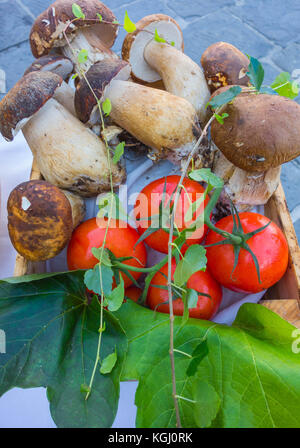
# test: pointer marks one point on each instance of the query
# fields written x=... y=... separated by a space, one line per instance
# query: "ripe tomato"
x=200 y=281
x=147 y=205
x=269 y=246
x=133 y=293
x=120 y=240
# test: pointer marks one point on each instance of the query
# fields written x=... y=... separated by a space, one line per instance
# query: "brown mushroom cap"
x=60 y=65
x=99 y=77
x=26 y=98
x=47 y=30
x=39 y=220
x=261 y=131
x=135 y=43
x=223 y=65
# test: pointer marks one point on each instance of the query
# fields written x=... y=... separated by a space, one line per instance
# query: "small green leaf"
x=220 y=118
x=99 y=17
x=106 y=106
x=206 y=175
x=109 y=205
x=194 y=260
x=82 y=56
x=119 y=151
x=129 y=26
x=284 y=87
x=255 y=73
x=225 y=97
x=92 y=279
x=192 y=298
x=109 y=363
x=75 y=76
x=116 y=297
x=157 y=37
x=102 y=255
x=172 y=43
x=103 y=328
x=77 y=11
x=84 y=388
x=199 y=353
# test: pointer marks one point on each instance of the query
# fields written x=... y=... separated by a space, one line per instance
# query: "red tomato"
x=269 y=246
x=200 y=281
x=133 y=293
x=120 y=240
x=147 y=205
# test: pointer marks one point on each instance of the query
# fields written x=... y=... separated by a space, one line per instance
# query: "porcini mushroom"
x=224 y=65
x=86 y=33
x=39 y=220
x=162 y=121
x=257 y=137
x=68 y=154
x=63 y=67
x=151 y=61
x=77 y=205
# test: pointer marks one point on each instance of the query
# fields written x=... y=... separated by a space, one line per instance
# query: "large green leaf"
x=250 y=366
x=52 y=336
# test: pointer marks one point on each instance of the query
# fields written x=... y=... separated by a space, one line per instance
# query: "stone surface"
x=276 y=19
x=15 y=24
x=266 y=29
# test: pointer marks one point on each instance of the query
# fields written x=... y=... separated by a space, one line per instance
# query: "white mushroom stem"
x=160 y=120
x=68 y=154
x=180 y=74
x=96 y=50
x=245 y=189
x=77 y=205
x=65 y=96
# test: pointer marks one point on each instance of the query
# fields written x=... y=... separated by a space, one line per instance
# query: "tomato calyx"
x=238 y=239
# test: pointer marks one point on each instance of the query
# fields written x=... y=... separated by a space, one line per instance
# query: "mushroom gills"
x=88 y=40
x=68 y=154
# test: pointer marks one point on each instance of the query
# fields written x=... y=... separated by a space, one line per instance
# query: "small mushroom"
x=39 y=220
x=258 y=136
x=89 y=33
x=78 y=207
x=151 y=61
x=223 y=65
x=63 y=67
x=162 y=121
x=68 y=154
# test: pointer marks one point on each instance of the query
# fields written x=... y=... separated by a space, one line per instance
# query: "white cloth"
x=29 y=408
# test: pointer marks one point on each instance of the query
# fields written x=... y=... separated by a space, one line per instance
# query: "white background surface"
x=29 y=408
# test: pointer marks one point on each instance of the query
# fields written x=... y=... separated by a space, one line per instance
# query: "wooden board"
x=283 y=298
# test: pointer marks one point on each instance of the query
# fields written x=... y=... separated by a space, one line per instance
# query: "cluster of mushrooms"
x=158 y=96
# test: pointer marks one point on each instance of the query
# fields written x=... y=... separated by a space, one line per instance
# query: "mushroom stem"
x=96 y=50
x=68 y=154
x=246 y=190
x=65 y=96
x=160 y=120
x=180 y=74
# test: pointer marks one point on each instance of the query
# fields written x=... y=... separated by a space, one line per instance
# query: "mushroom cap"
x=261 y=131
x=223 y=65
x=77 y=206
x=58 y=64
x=135 y=43
x=26 y=98
x=47 y=30
x=39 y=220
x=99 y=76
